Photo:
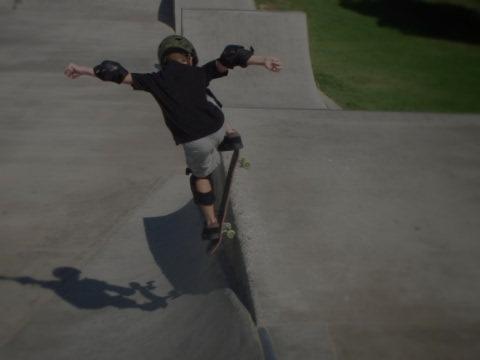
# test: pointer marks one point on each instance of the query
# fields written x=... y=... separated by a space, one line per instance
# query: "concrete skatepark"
x=357 y=231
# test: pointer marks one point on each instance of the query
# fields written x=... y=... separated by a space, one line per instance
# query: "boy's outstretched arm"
x=106 y=71
x=237 y=55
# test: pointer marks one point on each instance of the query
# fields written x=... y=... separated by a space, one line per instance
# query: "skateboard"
x=226 y=229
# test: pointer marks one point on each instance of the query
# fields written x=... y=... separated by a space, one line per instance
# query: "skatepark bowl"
x=357 y=232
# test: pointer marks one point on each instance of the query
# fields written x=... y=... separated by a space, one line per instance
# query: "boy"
x=191 y=111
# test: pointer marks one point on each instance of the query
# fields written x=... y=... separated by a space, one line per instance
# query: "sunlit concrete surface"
x=280 y=34
x=360 y=232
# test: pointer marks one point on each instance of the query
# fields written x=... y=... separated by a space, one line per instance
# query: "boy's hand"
x=73 y=71
x=272 y=64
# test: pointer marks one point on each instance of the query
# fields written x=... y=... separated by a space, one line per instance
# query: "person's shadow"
x=175 y=244
x=85 y=293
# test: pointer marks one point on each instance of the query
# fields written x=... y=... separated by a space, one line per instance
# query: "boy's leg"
x=203 y=158
x=204 y=197
x=204 y=186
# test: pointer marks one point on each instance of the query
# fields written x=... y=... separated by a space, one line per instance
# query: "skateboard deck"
x=223 y=208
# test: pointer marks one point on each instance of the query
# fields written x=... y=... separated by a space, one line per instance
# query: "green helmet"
x=175 y=43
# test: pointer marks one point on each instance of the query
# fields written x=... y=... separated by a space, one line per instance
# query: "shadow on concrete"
x=414 y=17
x=96 y=294
x=166 y=13
x=175 y=245
x=174 y=241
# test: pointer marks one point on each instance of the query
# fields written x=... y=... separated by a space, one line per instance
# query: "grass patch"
x=397 y=55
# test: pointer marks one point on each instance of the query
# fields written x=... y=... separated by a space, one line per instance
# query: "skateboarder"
x=191 y=111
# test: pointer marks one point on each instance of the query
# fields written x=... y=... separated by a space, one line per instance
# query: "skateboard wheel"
x=231 y=234
x=244 y=163
x=227 y=226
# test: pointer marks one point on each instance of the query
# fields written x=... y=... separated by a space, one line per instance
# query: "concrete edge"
x=233 y=263
x=267 y=346
x=231 y=255
x=329 y=102
x=166 y=13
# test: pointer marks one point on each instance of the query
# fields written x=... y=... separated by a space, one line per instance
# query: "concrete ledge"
x=360 y=231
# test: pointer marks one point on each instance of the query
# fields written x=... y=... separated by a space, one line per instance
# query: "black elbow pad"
x=110 y=71
x=235 y=55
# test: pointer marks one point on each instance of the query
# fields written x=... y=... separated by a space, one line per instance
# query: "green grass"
x=397 y=66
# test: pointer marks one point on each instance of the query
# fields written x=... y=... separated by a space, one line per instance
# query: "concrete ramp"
x=181 y=5
x=121 y=10
x=148 y=292
x=360 y=232
x=100 y=255
x=359 y=229
x=270 y=33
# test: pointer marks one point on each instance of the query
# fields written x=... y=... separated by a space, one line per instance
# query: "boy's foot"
x=211 y=232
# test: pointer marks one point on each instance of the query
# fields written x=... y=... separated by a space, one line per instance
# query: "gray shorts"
x=202 y=156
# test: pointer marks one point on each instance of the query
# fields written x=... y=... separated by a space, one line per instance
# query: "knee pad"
x=202 y=198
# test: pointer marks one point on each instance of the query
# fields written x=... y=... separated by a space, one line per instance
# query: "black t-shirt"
x=181 y=92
